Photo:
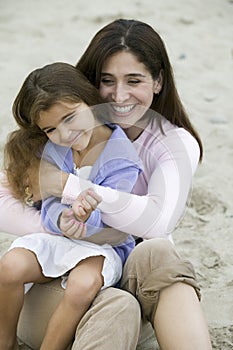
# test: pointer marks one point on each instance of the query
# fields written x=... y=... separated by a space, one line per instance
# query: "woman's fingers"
x=78 y=209
x=95 y=196
x=90 y=199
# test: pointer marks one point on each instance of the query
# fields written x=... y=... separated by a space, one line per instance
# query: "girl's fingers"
x=73 y=229
x=67 y=226
x=67 y=213
x=80 y=231
x=84 y=231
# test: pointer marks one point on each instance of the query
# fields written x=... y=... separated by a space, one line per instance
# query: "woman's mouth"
x=122 y=110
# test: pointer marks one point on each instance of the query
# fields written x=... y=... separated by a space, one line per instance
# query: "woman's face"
x=68 y=124
x=129 y=86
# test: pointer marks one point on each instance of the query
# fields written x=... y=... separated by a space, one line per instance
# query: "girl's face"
x=129 y=86
x=68 y=124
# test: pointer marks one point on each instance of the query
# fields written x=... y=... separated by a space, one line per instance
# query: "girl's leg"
x=84 y=282
x=17 y=267
x=120 y=308
x=167 y=290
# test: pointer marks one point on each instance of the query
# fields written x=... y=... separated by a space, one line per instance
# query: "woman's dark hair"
x=146 y=45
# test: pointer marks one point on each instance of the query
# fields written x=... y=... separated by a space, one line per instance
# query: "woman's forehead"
x=125 y=63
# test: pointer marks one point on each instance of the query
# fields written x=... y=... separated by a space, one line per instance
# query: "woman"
x=128 y=62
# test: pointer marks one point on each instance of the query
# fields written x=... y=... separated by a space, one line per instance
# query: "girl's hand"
x=70 y=226
x=85 y=203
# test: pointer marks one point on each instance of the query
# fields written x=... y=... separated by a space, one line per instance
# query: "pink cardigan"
x=170 y=159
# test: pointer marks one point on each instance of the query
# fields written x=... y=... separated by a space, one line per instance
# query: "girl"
x=57 y=124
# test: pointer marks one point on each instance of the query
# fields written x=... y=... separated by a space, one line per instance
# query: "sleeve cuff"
x=71 y=190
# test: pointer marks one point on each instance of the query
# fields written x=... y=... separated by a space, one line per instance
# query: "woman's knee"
x=152 y=254
x=152 y=266
x=155 y=258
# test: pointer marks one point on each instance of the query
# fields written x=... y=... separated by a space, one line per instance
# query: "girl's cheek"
x=53 y=138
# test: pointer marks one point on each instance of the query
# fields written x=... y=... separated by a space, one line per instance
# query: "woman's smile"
x=123 y=110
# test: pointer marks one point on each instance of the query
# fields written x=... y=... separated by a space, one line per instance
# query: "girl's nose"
x=64 y=134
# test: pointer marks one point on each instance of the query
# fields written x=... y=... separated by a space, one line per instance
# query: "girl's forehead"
x=59 y=111
x=56 y=113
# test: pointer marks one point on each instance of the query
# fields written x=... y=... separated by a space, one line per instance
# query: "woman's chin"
x=124 y=125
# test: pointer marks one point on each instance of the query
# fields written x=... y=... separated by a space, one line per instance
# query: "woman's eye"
x=133 y=82
x=107 y=81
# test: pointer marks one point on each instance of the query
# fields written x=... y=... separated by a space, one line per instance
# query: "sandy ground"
x=198 y=35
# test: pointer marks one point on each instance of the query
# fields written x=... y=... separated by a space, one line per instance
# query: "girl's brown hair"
x=144 y=42
x=43 y=88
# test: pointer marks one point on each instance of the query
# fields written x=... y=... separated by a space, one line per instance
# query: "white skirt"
x=57 y=255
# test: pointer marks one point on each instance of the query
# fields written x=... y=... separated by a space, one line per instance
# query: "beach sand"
x=198 y=36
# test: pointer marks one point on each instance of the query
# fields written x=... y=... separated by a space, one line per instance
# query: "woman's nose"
x=120 y=93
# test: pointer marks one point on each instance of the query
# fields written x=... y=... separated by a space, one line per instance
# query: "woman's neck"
x=136 y=130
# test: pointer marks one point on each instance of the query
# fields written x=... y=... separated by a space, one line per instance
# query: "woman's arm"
x=117 y=173
x=157 y=213
x=45 y=180
x=15 y=217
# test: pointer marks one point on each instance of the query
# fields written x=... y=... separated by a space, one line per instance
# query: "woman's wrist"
x=71 y=188
x=59 y=183
x=51 y=180
x=64 y=180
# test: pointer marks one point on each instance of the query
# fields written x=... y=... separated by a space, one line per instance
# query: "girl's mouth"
x=75 y=139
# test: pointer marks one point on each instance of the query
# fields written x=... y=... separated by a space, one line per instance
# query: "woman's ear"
x=158 y=84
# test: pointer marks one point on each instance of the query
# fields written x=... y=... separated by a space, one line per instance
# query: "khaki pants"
x=114 y=319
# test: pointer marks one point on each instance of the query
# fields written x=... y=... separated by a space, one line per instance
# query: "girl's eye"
x=69 y=119
x=49 y=131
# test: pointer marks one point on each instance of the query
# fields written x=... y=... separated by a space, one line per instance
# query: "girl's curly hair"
x=21 y=153
x=42 y=89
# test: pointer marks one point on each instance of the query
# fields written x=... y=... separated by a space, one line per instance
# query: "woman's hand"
x=45 y=179
x=72 y=220
x=86 y=202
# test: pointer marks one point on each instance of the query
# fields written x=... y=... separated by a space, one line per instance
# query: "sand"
x=198 y=36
